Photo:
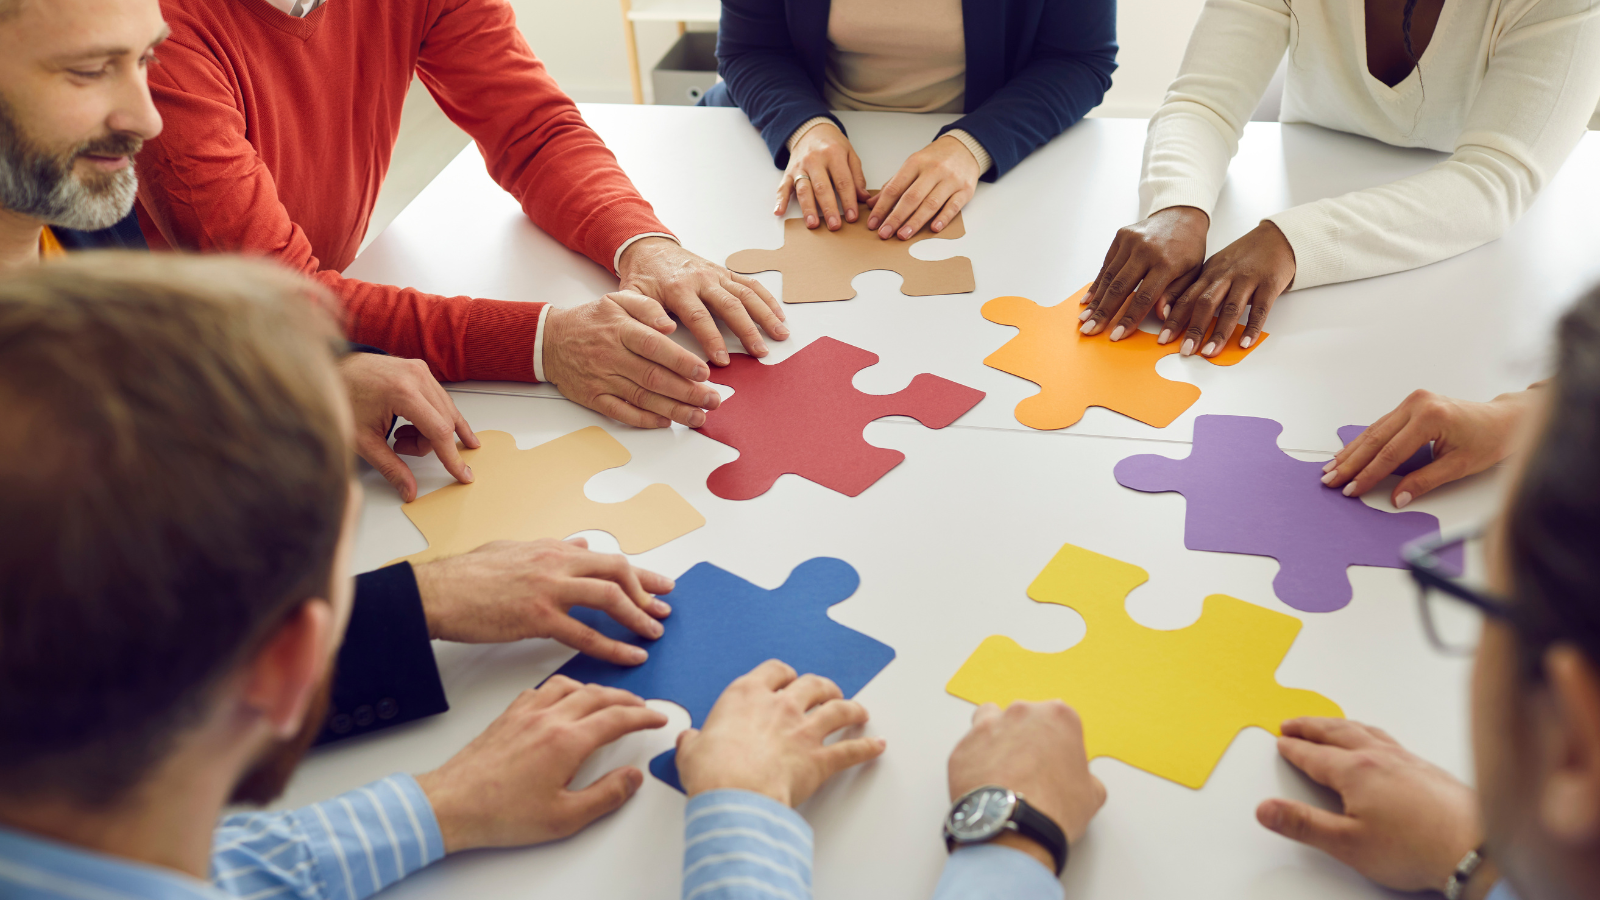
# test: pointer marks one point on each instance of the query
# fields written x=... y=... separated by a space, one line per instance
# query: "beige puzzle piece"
x=523 y=495
x=818 y=264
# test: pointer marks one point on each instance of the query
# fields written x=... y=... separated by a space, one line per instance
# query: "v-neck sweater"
x=1507 y=87
x=278 y=133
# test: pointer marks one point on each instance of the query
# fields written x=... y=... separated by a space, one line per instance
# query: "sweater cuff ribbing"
x=1166 y=194
x=985 y=161
x=1314 y=237
x=805 y=126
x=499 y=340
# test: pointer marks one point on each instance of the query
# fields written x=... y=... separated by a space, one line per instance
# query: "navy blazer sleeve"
x=385 y=674
x=762 y=63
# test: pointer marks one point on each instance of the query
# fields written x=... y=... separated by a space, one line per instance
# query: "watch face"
x=981 y=814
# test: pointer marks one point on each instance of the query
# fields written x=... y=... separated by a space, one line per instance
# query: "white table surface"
x=947 y=542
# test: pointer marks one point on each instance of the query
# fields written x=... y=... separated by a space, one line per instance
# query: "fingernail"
x=873 y=223
x=1332 y=463
x=1166 y=335
x=851 y=216
x=696 y=419
x=1116 y=333
x=638 y=654
x=664 y=321
x=656 y=630
x=760 y=347
x=1085 y=314
x=1166 y=310
x=1086 y=298
x=780 y=331
x=938 y=226
x=469 y=474
x=1211 y=347
x=833 y=221
x=1245 y=342
x=663 y=608
x=1272 y=818
x=1087 y=327
x=1188 y=347
x=811 y=221
x=722 y=357
x=702 y=373
x=1329 y=476
x=1349 y=489
x=905 y=232
x=1402 y=499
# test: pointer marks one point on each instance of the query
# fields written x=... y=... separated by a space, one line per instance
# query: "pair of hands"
x=824 y=173
x=1160 y=263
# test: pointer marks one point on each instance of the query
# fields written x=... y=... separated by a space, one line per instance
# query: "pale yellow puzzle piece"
x=523 y=495
x=1167 y=702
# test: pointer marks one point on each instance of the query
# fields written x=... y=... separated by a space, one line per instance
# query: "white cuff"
x=538 y=343
x=616 y=261
x=805 y=126
x=985 y=161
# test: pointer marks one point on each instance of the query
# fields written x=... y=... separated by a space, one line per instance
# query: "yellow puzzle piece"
x=1167 y=702
x=523 y=495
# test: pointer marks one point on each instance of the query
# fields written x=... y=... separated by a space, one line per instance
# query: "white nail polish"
x=1210 y=346
x=1328 y=476
x=1244 y=342
x=1166 y=335
x=1188 y=346
x=1332 y=463
x=1085 y=314
x=1116 y=333
x=1166 y=310
x=1401 y=501
x=1087 y=327
x=1349 y=489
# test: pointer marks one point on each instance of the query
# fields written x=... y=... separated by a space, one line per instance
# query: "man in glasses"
x=1532 y=828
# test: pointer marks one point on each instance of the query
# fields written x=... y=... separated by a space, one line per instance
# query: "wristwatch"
x=1457 y=883
x=985 y=813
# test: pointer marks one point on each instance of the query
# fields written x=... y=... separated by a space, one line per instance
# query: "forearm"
x=1044 y=100
x=740 y=844
x=757 y=58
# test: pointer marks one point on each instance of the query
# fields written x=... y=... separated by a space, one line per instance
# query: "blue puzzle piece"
x=723 y=626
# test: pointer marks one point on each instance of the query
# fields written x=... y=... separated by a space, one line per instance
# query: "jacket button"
x=388 y=708
x=363 y=716
x=340 y=724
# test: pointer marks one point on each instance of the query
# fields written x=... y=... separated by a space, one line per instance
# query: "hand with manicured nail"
x=1467 y=438
x=381 y=388
x=509 y=787
x=513 y=590
x=1249 y=273
x=824 y=174
x=1149 y=264
x=699 y=292
x=931 y=188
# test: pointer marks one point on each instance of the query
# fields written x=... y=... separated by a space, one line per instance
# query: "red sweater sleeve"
x=481 y=71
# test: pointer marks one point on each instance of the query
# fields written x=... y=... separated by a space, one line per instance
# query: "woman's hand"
x=1251 y=271
x=1467 y=438
x=1149 y=261
x=825 y=173
x=935 y=183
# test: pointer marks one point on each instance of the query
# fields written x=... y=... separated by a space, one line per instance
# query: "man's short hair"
x=173 y=480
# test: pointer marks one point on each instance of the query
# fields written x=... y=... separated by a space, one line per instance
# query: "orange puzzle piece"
x=1075 y=372
x=818 y=264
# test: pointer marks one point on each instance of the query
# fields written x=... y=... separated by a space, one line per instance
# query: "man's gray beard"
x=44 y=187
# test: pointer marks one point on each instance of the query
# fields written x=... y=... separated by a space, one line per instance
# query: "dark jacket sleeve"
x=765 y=71
x=385 y=673
x=1066 y=75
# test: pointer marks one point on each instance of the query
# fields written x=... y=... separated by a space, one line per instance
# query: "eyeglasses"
x=1453 y=606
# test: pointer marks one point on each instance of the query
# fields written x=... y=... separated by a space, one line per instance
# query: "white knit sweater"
x=1506 y=86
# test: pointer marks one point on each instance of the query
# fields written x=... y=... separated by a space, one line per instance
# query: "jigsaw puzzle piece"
x=524 y=495
x=1244 y=495
x=804 y=416
x=1075 y=372
x=1167 y=702
x=1418 y=459
x=723 y=626
x=819 y=265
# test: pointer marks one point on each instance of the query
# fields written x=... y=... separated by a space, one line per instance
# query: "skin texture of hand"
x=765 y=734
x=1251 y=271
x=508 y=788
x=1406 y=822
x=613 y=356
x=1036 y=750
x=1149 y=265
x=512 y=590
x=382 y=387
x=699 y=292
x=824 y=174
x=1467 y=438
x=935 y=184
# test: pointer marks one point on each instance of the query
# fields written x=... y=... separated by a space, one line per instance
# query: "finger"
x=610 y=598
x=627 y=387
x=1153 y=286
x=446 y=404
x=834 y=715
x=827 y=202
x=1326 y=831
x=554 y=689
x=440 y=430
x=617 y=408
x=606 y=725
x=904 y=208
x=1347 y=449
x=886 y=200
x=985 y=712
x=376 y=451
x=615 y=567
x=1116 y=257
x=841 y=755
x=408 y=441
x=645 y=309
x=808 y=201
x=1443 y=470
x=811 y=690
x=1228 y=315
x=845 y=187
x=1258 y=320
x=1413 y=436
x=950 y=210
x=569 y=632
x=771 y=675
x=591 y=698
x=926 y=210
x=1323 y=763
x=1119 y=287
x=859 y=178
x=656 y=348
x=739 y=317
x=1336 y=732
x=1201 y=312
x=1359 y=453
x=785 y=187
x=692 y=308
x=656 y=583
x=767 y=300
x=603 y=797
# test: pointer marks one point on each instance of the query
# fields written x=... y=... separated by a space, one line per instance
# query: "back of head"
x=173 y=477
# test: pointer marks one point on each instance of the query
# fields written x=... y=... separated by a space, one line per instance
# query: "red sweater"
x=279 y=130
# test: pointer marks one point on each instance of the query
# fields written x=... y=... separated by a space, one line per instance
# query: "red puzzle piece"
x=803 y=416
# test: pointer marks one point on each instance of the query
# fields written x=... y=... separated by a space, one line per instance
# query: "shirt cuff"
x=985 y=161
x=538 y=336
x=739 y=843
x=371 y=837
x=616 y=260
x=800 y=132
x=992 y=870
x=1501 y=891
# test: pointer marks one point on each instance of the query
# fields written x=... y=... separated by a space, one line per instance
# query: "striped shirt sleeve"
x=740 y=845
x=991 y=870
x=347 y=848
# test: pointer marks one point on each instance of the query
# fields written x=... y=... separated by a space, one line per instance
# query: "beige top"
x=896 y=56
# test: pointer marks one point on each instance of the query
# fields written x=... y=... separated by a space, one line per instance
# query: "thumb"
x=380 y=456
x=607 y=795
x=1309 y=825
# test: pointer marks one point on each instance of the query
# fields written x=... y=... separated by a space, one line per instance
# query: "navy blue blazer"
x=1034 y=67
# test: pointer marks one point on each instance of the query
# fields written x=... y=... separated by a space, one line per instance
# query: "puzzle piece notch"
x=1422 y=457
x=525 y=495
x=1075 y=372
x=1244 y=495
x=804 y=416
x=722 y=626
x=1167 y=702
x=819 y=265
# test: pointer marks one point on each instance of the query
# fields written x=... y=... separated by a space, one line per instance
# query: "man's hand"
x=611 y=356
x=1406 y=822
x=512 y=590
x=508 y=787
x=1036 y=750
x=765 y=735
x=825 y=174
x=934 y=184
x=699 y=292
x=1250 y=272
x=382 y=387
x=1149 y=264
x=1467 y=438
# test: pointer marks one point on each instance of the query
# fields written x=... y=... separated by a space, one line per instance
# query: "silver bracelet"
x=1456 y=884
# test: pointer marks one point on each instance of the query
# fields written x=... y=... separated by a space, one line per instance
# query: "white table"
x=947 y=543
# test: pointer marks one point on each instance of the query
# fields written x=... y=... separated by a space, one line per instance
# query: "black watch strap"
x=1038 y=827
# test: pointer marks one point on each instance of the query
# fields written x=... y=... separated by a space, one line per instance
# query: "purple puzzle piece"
x=1244 y=495
x=1418 y=459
